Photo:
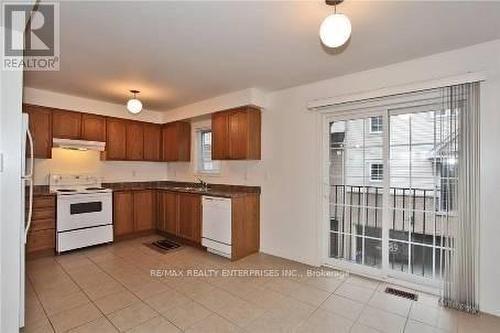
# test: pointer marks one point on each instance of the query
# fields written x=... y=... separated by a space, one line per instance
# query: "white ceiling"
x=177 y=53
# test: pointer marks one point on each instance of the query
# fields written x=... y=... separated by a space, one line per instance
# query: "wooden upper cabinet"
x=220 y=144
x=66 y=124
x=152 y=142
x=123 y=213
x=40 y=125
x=116 y=139
x=144 y=210
x=93 y=127
x=176 y=141
x=190 y=216
x=135 y=141
x=236 y=134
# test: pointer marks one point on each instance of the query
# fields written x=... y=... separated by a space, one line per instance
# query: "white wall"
x=292 y=209
x=67 y=161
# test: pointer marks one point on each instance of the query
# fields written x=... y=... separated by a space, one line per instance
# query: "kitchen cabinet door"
x=144 y=210
x=40 y=125
x=135 y=141
x=152 y=142
x=220 y=138
x=238 y=134
x=66 y=124
x=176 y=139
x=93 y=127
x=190 y=217
x=169 y=212
x=123 y=213
x=116 y=139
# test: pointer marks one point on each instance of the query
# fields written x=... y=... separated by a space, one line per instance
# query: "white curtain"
x=460 y=233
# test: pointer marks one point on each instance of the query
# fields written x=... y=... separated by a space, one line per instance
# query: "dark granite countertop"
x=217 y=190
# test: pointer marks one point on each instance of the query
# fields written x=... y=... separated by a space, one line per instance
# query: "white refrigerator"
x=26 y=207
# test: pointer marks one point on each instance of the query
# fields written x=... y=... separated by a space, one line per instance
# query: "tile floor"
x=111 y=288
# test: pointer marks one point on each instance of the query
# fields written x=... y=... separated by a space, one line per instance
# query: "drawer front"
x=43 y=214
x=43 y=224
x=41 y=240
x=45 y=201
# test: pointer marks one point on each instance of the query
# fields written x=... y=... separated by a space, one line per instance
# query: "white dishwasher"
x=216 y=230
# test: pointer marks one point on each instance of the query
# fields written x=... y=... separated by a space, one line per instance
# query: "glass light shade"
x=335 y=30
x=134 y=105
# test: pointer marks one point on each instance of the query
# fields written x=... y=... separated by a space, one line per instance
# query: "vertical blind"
x=461 y=234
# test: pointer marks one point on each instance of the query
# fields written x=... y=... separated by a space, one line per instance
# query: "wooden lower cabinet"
x=144 y=210
x=123 y=213
x=190 y=217
x=134 y=212
x=179 y=214
x=42 y=234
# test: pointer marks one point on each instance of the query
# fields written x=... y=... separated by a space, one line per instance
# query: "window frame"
x=371 y=164
x=199 y=156
x=380 y=125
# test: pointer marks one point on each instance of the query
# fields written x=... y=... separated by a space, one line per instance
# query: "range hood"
x=78 y=144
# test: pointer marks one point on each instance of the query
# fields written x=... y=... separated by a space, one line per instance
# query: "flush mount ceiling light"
x=134 y=105
x=336 y=28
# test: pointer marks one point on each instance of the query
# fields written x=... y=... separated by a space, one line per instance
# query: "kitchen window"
x=205 y=162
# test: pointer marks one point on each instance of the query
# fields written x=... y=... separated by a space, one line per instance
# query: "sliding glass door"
x=392 y=181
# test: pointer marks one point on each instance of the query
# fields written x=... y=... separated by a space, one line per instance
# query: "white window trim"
x=198 y=162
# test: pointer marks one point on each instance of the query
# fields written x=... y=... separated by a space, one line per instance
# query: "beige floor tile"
x=323 y=321
x=362 y=282
x=131 y=316
x=57 y=303
x=382 y=320
x=324 y=283
x=272 y=322
x=360 y=328
x=186 y=315
x=103 y=289
x=418 y=327
x=74 y=317
x=354 y=292
x=216 y=299
x=343 y=306
x=390 y=303
x=483 y=323
x=435 y=316
x=114 y=302
x=166 y=300
x=156 y=325
x=310 y=295
x=101 y=325
x=268 y=299
x=41 y=328
x=214 y=324
x=241 y=313
x=149 y=289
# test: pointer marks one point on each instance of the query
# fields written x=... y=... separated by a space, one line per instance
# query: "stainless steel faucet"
x=204 y=185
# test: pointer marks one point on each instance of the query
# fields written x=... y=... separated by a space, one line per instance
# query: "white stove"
x=84 y=211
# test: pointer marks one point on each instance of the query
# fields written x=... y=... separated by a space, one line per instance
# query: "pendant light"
x=134 y=105
x=336 y=28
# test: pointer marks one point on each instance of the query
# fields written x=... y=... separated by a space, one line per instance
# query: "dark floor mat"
x=163 y=246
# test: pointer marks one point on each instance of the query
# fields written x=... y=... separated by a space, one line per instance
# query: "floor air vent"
x=163 y=245
x=401 y=293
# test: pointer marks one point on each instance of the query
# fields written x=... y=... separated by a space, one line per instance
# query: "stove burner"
x=65 y=190
x=95 y=188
